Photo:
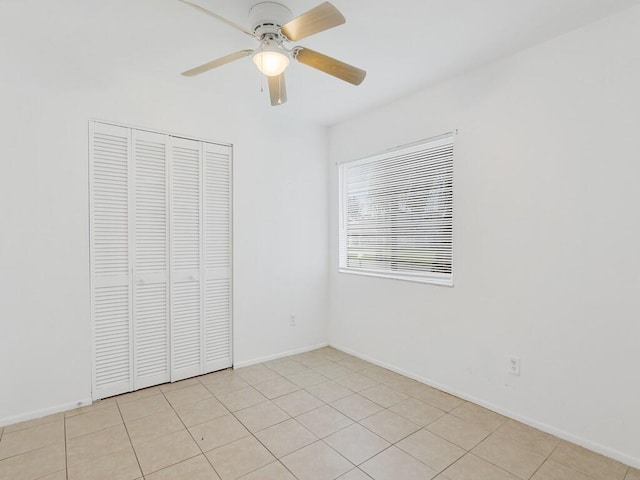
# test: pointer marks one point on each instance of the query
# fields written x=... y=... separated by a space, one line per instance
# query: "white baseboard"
x=564 y=435
x=23 y=417
x=255 y=361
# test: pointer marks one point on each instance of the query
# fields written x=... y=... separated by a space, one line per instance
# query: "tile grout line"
x=470 y=452
x=4 y=429
x=189 y=431
x=33 y=450
x=352 y=470
x=95 y=431
x=160 y=392
x=66 y=453
x=450 y=412
x=257 y=439
x=37 y=422
x=126 y=429
x=322 y=439
x=24 y=453
x=467 y=452
x=253 y=434
x=319 y=439
x=523 y=446
x=447 y=440
x=498 y=466
x=447 y=412
x=541 y=465
x=395 y=444
x=453 y=463
x=327 y=362
x=278 y=460
x=573 y=469
x=487 y=461
x=328 y=404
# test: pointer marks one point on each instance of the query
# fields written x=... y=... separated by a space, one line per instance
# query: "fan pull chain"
x=261 y=76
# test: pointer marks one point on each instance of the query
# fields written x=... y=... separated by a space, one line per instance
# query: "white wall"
x=280 y=196
x=547 y=235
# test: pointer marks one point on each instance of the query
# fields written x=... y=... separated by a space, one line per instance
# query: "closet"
x=160 y=221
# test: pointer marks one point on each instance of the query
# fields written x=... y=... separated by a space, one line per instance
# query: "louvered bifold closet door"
x=186 y=255
x=109 y=174
x=151 y=263
x=217 y=256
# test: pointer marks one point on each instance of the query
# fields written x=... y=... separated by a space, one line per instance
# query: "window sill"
x=442 y=282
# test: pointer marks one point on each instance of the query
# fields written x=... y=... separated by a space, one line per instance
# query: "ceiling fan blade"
x=277 y=90
x=218 y=17
x=329 y=65
x=217 y=63
x=323 y=17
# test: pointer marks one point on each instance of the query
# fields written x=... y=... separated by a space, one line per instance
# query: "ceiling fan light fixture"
x=271 y=60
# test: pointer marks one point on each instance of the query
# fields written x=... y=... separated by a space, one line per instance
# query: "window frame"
x=434 y=278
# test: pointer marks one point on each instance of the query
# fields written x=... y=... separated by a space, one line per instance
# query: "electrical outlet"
x=292 y=320
x=514 y=366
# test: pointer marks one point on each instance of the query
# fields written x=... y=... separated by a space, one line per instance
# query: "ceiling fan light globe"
x=271 y=63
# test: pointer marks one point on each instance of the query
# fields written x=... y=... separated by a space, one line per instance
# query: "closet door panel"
x=217 y=256
x=186 y=255
x=151 y=289
x=109 y=174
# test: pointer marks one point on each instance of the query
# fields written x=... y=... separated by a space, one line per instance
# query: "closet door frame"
x=132 y=274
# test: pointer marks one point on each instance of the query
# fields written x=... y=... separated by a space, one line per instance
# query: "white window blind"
x=396 y=213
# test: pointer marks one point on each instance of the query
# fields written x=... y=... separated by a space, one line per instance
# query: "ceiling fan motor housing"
x=267 y=18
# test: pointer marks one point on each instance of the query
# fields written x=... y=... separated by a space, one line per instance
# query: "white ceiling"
x=404 y=45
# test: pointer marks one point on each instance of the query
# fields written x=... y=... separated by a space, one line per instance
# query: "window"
x=396 y=213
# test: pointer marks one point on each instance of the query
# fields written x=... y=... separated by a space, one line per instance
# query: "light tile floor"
x=320 y=415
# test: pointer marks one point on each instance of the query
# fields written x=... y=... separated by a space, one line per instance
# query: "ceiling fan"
x=274 y=28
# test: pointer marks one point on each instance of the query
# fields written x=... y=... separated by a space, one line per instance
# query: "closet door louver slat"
x=186 y=309
x=217 y=253
x=151 y=294
x=109 y=148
